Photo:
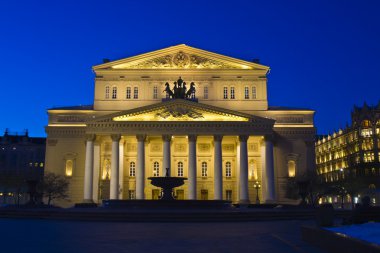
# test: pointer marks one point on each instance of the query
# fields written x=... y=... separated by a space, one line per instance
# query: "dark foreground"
x=35 y=235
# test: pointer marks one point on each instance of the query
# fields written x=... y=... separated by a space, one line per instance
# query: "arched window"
x=228 y=169
x=114 y=92
x=156 y=169
x=107 y=93
x=366 y=129
x=291 y=168
x=128 y=93
x=132 y=169
x=232 y=94
x=135 y=92
x=204 y=169
x=252 y=170
x=254 y=94
x=246 y=92
x=69 y=168
x=180 y=169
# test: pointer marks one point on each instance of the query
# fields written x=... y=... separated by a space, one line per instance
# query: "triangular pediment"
x=181 y=110
x=180 y=57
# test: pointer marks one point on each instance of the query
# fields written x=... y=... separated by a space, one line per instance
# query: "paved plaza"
x=27 y=235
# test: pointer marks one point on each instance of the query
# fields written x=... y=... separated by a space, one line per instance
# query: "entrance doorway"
x=204 y=194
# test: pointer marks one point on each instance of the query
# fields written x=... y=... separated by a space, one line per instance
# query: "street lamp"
x=257 y=186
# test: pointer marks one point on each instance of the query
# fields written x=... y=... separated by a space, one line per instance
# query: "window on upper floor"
x=228 y=169
x=132 y=169
x=69 y=167
x=205 y=92
x=128 y=93
x=114 y=92
x=291 y=168
x=180 y=169
x=254 y=94
x=225 y=92
x=135 y=92
x=232 y=92
x=107 y=94
x=204 y=169
x=155 y=92
x=156 y=169
x=246 y=92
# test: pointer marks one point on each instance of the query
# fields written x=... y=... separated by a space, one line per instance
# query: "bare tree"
x=55 y=187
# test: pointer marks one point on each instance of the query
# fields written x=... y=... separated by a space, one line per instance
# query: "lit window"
x=128 y=93
x=180 y=169
x=291 y=168
x=229 y=195
x=205 y=92
x=246 y=93
x=204 y=169
x=232 y=93
x=228 y=169
x=107 y=92
x=35 y=164
x=156 y=169
x=252 y=170
x=254 y=95
x=225 y=92
x=132 y=169
x=106 y=169
x=155 y=92
x=69 y=168
x=114 y=92
x=135 y=92
x=41 y=165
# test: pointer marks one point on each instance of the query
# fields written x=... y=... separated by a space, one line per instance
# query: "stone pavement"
x=28 y=235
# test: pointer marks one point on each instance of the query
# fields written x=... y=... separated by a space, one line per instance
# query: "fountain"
x=167 y=184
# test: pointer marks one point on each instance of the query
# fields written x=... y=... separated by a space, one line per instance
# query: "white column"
x=95 y=187
x=218 y=168
x=192 y=139
x=114 y=184
x=243 y=172
x=121 y=168
x=140 y=168
x=166 y=138
x=89 y=169
x=268 y=170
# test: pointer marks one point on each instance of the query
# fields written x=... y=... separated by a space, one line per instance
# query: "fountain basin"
x=167 y=184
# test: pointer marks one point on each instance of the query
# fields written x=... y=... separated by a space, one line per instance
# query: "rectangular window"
x=204 y=169
x=128 y=93
x=225 y=92
x=228 y=169
x=246 y=93
x=131 y=194
x=114 y=92
x=229 y=195
x=254 y=92
x=155 y=92
x=205 y=92
x=107 y=92
x=132 y=169
x=135 y=93
x=232 y=93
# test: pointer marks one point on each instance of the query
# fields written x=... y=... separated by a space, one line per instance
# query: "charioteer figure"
x=180 y=90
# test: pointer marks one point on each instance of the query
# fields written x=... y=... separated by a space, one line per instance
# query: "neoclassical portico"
x=203 y=115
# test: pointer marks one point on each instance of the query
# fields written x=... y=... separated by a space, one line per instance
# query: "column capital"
x=243 y=138
x=141 y=137
x=115 y=137
x=218 y=137
x=167 y=137
x=192 y=137
x=90 y=137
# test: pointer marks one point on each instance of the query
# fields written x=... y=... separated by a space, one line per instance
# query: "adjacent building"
x=352 y=152
x=189 y=112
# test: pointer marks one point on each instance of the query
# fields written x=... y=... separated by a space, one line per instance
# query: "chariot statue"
x=180 y=90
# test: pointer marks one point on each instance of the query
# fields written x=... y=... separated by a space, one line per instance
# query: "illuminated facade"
x=224 y=137
x=353 y=151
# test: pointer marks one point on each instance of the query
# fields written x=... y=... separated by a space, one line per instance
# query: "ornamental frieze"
x=182 y=60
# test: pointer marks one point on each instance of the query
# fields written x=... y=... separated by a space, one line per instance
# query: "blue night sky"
x=323 y=55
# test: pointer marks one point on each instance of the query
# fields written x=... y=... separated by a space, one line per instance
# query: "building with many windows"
x=352 y=153
x=202 y=115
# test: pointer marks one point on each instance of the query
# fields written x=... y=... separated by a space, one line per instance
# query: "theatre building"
x=185 y=112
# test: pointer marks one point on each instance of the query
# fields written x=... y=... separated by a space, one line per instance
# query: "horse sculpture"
x=191 y=90
x=169 y=92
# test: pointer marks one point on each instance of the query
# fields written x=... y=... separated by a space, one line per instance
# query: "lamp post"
x=257 y=186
